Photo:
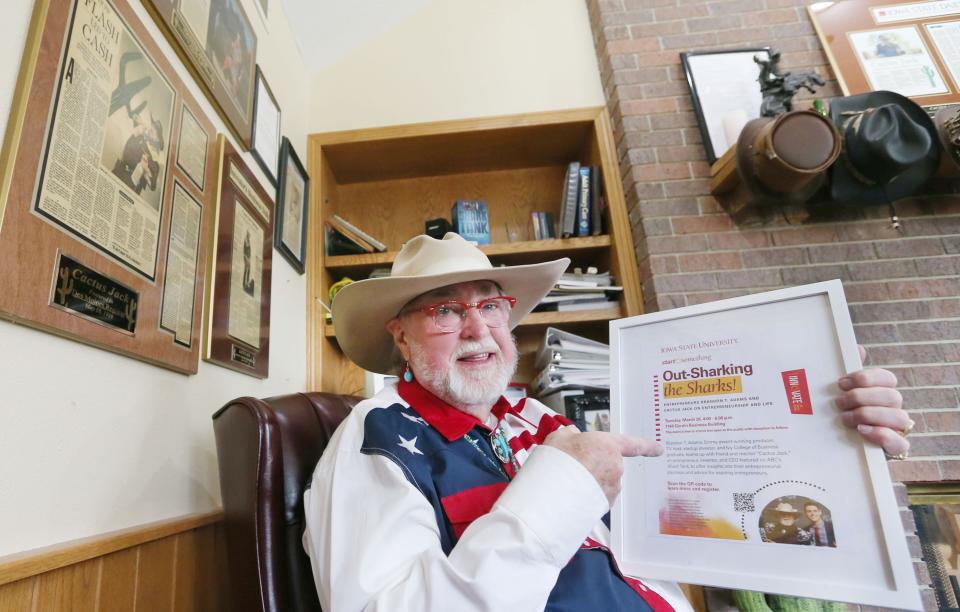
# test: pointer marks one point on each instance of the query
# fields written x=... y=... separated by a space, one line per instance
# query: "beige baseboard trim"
x=40 y=560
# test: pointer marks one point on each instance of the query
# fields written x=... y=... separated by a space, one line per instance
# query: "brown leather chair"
x=267 y=450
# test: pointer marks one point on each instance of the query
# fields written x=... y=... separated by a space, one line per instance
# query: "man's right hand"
x=602 y=453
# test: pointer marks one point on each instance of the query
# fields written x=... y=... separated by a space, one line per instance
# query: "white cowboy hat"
x=361 y=310
x=786 y=508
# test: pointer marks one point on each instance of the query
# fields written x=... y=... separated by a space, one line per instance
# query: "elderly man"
x=437 y=494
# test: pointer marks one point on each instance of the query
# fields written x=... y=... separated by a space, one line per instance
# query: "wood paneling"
x=118 y=580
x=174 y=565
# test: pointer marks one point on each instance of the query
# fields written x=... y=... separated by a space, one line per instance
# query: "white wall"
x=459 y=59
x=92 y=442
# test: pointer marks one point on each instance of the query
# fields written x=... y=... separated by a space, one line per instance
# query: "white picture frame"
x=266 y=137
x=740 y=392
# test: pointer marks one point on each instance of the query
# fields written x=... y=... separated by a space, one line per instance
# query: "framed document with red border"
x=910 y=48
x=760 y=486
x=236 y=330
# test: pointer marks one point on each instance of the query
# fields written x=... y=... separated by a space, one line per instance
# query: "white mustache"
x=468 y=347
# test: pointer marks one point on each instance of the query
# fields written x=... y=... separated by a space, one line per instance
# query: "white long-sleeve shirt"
x=409 y=509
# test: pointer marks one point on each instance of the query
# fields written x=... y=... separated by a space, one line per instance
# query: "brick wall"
x=903 y=290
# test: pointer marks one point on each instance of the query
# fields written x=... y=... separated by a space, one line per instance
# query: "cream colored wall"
x=458 y=59
x=92 y=442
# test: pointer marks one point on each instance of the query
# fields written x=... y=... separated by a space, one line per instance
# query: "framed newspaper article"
x=236 y=328
x=760 y=486
x=104 y=145
x=906 y=47
x=293 y=198
x=216 y=41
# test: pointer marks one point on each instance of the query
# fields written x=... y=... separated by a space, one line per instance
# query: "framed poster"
x=293 y=202
x=725 y=88
x=236 y=328
x=215 y=39
x=265 y=145
x=910 y=48
x=757 y=466
x=100 y=133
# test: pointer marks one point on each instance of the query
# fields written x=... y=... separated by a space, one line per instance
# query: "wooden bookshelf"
x=389 y=181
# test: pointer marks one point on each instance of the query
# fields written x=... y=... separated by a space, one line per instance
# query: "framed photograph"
x=236 y=328
x=265 y=145
x=96 y=172
x=757 y=466
x=216 y=41
x=906 y=47
x=293 y=202
x=725 y=89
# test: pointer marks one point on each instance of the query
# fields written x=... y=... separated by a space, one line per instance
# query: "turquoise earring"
x=407 y=374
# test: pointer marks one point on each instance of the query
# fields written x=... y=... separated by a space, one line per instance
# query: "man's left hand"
x=869 y=401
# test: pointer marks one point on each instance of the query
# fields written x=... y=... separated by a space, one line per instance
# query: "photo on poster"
x=137 y=129
x=246 y=275
x=896 y=59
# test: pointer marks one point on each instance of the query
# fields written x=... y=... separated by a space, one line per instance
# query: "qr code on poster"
x=743 y=502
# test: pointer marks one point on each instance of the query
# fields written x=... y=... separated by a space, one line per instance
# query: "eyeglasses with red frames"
x=450 y=315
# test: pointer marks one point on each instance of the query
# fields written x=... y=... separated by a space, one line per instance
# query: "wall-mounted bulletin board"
x=106 y=188
x=912 y=48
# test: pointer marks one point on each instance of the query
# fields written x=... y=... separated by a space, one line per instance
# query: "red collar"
x=449 y=421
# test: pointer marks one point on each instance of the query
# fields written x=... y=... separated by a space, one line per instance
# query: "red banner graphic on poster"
x=798 y=395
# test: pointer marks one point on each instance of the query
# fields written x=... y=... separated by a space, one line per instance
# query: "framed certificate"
x=760 y=486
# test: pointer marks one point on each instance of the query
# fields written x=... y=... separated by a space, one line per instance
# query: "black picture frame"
x=717 y=92
x=268 y=159
x=291 y=175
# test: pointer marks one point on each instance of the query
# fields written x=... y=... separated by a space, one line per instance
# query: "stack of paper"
x=580 y=290
x=574 y=378
x=568 y=361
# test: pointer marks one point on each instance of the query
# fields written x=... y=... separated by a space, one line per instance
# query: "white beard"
x=470 y=386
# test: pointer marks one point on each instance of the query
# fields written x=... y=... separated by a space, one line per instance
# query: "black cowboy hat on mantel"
x=890 y=148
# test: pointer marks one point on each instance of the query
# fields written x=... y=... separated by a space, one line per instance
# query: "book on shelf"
x=598 y=204
x=568 y=204
x=345 y=227
x=543 y=227
x=338 y=243
x=589 y=303
x=590 y=278
x=584 y=199
x=471 y=220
